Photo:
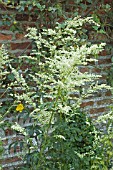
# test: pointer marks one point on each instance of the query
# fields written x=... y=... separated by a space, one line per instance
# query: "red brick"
x=22 y=17
x=103 y=77
x=8 y=132
x=84 y=69
x=33 y=18
x=103 y=53
x=15 y=46
x=71 y=2
x=101 y=11
x=107 y=1
x=19 y=54
x=5 y=37
x=96 y=70
x=97 y=110
x=10 y=160
x=104 y=61
x=85 y=104
x=20 y=36
x=108 y=93
x=61 y=19
x=105 y=101
x=97 y=36
x=4 y=27
x=25 y=26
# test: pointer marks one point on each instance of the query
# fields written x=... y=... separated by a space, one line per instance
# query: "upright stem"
x=44 y=144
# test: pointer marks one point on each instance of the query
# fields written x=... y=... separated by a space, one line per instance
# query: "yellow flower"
x=20 y=107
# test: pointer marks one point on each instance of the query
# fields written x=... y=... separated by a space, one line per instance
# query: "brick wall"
x=15 y=40
x=17 y=44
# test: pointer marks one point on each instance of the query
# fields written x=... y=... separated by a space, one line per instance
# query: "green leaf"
x=102 y=31
x=95 y=27
x=84 y=6
x=11 y=77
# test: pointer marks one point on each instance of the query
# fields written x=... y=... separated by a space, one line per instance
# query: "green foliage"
x=51 y=90
x=50 y=11
x=5 y=80
x=104 y=145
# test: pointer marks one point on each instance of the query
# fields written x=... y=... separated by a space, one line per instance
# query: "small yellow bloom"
x=20 y=107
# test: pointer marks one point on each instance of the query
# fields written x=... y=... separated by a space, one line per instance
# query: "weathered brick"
x=23 y=45
x=96 y=70
x=27 y=52
x=105 y=101
x=71 y=2
x=84 y=69
x=103 y=77
x=108 y=93
x=10 y=160
x=107 y=1
x=26 y=25
x=19 y=36
x=4 y=27
x=22 y=17
x=5 y=37
x=97 y=37
x=61 y=19
x=104 y=61
x=104 y=53
x=8 y=132
x=97 y=110
x=33 y=18
x=85 y=104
